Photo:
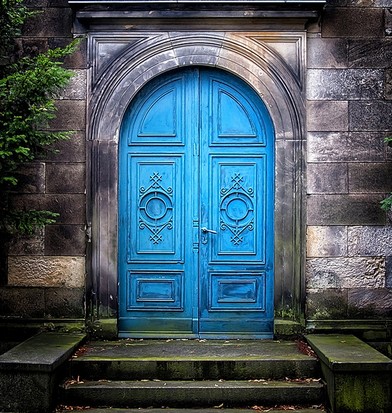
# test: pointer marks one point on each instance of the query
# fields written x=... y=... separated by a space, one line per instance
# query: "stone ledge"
x=358 y=377
x=345 y=352
x=42 y=352
x=33 y=370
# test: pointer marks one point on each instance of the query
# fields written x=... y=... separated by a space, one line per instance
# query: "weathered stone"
x=327 y=116
x=64 y=302
x=33 y=46
x=22 y=302
x=327 y=178
x=344 y=84
x=388 y=272
x=363 y=272
x=71 y=207
x=370 y=177
x=326 y=241
x=326 y=304
x=31 y=178
x=375 y=53
x=370 y=241
x=363 y=302
x=388 y=21
x=77 y=87
x=65 y=240
x=37 y=271
x=370 y=116
x=70 y=115
x=28 y=244
x=345 y=210
x=358 y=377
x=63 y=178
x=346 y=147
x=78 y=59
x=352 y=22
x=359 y=3
x=50 y=22
x=71 y=150
x=388 y=84
x=327 y=53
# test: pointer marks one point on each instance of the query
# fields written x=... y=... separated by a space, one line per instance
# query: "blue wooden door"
x=196 y=184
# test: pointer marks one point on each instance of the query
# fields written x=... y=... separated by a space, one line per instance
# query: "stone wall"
x=349 y=107
x=349 y=101
x=46 y=272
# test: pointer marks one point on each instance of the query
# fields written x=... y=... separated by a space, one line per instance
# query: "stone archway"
x=272 y=63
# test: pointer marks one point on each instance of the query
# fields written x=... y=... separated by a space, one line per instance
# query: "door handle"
x=205 y=230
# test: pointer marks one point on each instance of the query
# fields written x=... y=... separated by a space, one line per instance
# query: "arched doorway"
x=196 y=209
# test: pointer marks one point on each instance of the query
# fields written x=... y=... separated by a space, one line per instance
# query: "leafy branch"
x=28 y=89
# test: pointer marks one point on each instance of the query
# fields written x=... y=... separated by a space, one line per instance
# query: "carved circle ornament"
x=236 y=209
x=155 y=208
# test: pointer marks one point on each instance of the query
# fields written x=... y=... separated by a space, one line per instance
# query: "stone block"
x=77 y=87
x=365 y=303
x=345 y=210
x=71 y=207
x=22 y=302
x=345 y=84
x=388 y=20
x=31 y=178
x=328 y=304
x=70 y=115
x=63 y=178
x=370 y=116
x=30 y=373
x=327 y=116
x=352 y=22
x=78 y=59
x=65 y=240
x=32 y=46
x=71 y=150
x=370 y=241
x=388 y=272
x=346 y=147
x=370 y=177
x=64 y=303
x=375 y=53
x=388 y=84
x=326 y=241
x=326 y=53
x=327 y=178
x=28 y=244
x=358 y=377
x=345 y=272
x=41 y=271
x=50 y=22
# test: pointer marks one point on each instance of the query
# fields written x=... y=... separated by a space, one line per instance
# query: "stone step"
x=191 y=393
x=314 y=409
x=192 y=360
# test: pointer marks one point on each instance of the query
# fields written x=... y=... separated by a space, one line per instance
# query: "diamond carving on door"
x=196 y=185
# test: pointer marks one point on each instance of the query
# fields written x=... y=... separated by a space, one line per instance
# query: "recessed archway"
x=253 y=57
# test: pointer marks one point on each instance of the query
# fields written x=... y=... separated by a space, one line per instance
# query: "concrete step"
x=193 y=360
x=192 y=393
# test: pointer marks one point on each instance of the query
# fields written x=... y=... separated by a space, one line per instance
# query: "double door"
x=196 y=184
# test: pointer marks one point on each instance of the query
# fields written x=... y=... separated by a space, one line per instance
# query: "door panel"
x=196 y=210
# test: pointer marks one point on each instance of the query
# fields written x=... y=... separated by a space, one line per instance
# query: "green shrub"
x=28 y=88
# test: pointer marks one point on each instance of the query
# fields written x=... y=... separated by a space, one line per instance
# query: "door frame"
x=273 y=63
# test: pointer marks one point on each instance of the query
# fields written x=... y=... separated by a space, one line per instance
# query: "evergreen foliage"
x=28 y=87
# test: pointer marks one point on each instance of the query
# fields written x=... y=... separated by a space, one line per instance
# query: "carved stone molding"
x=273 y=63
